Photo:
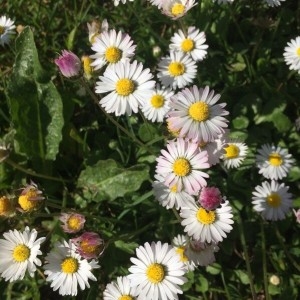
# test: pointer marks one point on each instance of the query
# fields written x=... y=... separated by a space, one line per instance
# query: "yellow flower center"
x=113 y=54
x=199 y=111
x=88 y=70
x=125 y=297
x=157 y=101
x=187 y=45
x=205 y=217
x=25 y=202
x=180 y=250
x=155 y=273
x=69 y=265
x=2 y=30
x=274 y=200
x=5 y=205
x=181 y=167
x=74 y=222
x=176 y=68
x=232 y=151
x=177 y=9
x=275 y=159
x=298 y=51
x=88 y=248
x=125 y=87
x=173 y=189
x=21 y=253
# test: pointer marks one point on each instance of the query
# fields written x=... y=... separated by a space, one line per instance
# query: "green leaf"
x=34 y=102
x=240 y=122
x=106 y=180
x=127 y=247
x=242 y=276
x=201 y=284
x=214 y=269
x=148 y=132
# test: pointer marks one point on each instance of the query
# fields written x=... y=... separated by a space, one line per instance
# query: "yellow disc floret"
x=181 y=251
x=181 y=167
x=21 y=253
x=88 y=248
x=199 y=111
x=74 y=222
x=125 y=87
x=298 y=51
x=125 y=297
x=205 y=217
x=275 y=159
x=232 y=151
x=176 y=68
x=274 y=200
x=157 y=101
x=25 y=202
x=155 y=273
x=177 y=9
x=2 y=30
x=113 y=54
x=69 y=265
x=187 y=45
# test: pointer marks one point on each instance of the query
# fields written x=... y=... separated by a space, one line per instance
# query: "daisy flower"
x=274 y=2
x=196 y=114
x=72 y=222
x=128 y=86
x=176 y=8
x=181 y=166
x=176 y=70
x=111 y=47
x=157 y=272
x=207 y=226
x=116 y=2
x=119 y=290
x=170 y=197
x=157 y=106
x=18 y=253
x=68 y=63
x=191 y=43
x=273 y=162
x=66 y=269
x=6 y=206
x=234 y=155
x=95 y=29
x=6 y=30
x=292 y=54
x=272 y=200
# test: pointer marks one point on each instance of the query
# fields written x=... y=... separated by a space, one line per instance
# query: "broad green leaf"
x=34 y=102
x=148 y=132
x=214 y=269
x=241 y=122
x=242 y=276
x=106 y=180
x=201 y=284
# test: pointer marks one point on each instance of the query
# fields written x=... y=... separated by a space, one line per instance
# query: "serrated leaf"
x=106 y=180
x=34 y=102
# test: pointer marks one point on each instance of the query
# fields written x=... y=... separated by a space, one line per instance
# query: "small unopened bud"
x=275 y=280
x=69 y=64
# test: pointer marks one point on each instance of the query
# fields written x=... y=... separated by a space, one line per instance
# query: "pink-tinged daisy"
x=72 y=222
x=191 y=43
x=176 y=70
x=235 y=153
x=177 y=8
x=292 y=54
x=119 y=290
x=31 y=197
x=274 y=2
x=128 y=85
x=66 y=269
x=6 y=30
x=157 y=106
x=18 y=253
x=207 y=226
x=272 y=200
x=111 y=47
x=170 y=197
x=273 y=162
x=196 y=114
x=68 y=63
x=181 y=166
x=157 y=272
x=210 y=198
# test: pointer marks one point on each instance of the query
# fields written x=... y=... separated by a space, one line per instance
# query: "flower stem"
x=264 y=261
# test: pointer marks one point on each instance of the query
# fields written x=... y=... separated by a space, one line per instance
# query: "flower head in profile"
x=292 y=54
x=30 y=198
x=274 y=2
x=95 y=29
x=176 y=9
x=66 y=269
x=176 y=70
x=128 y=85
x=273 y=162
x=157 y=272
x=18 y=253
x=111 y=47
x=297 y=215
x=89 y=245
x=72 y=222
x=6 y=206
x=210 y=198
x=119 y=290
x=196 y=113
x=6 y=30
x=191 y=43
x=235 y=153
x=68 y=63
x=272 y=200
x=182 y=165
x=207 y=226
x=87 y=68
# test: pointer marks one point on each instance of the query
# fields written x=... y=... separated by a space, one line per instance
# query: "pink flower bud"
x=210 y=198
x=69 y=64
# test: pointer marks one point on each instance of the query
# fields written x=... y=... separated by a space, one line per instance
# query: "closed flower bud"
x=69 y=64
